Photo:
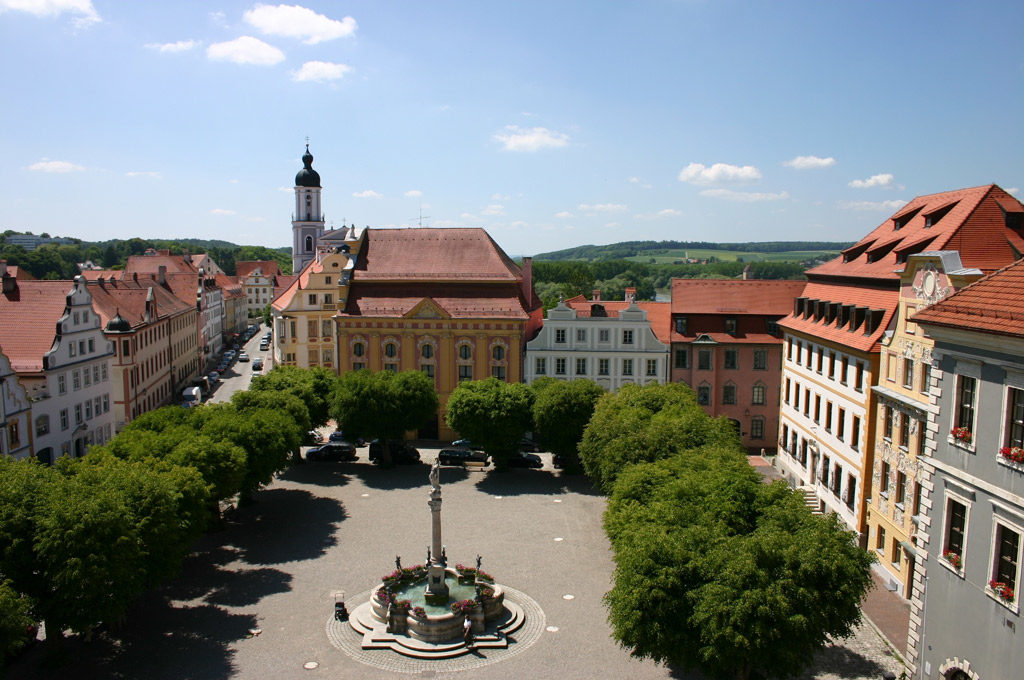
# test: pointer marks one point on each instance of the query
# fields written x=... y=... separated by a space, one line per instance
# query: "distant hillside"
x=669 y=250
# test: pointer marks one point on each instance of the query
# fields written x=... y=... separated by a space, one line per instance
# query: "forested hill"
x=642 y=248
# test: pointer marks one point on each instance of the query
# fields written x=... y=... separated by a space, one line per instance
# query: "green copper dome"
x=307 y=177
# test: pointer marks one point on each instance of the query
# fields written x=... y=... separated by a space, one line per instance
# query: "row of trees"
x=715 y=570
x=634 y=248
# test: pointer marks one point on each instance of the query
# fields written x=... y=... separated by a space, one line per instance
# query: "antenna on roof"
x=420 y=218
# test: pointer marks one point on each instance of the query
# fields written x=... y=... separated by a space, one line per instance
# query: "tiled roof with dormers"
x=458 y=300
x=150 y=264
x=28 y=319
x=982 y=223
x=268 y=268
x=659 y=314
x=422 y=254
x=128 y=299
x=848 y=314
x=993 y=304
x=733 y=297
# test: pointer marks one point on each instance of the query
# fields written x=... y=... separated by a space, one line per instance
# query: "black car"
x=457 y=455
x=526 y=460
x=401 y=453
x=339 y=436
x=333 y=451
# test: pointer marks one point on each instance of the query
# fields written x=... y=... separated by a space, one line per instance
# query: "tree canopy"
x=561 y=411
x=313 y=387
x=492 y=413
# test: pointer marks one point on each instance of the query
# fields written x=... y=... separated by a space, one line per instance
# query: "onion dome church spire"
x=307 y=177
x=308 y=219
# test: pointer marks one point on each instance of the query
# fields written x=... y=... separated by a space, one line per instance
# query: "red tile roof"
x=150 y=264
x=659 y=314
x=267 y=267
x=460 y=300
x=433 y=255
x=971 y=221
x=230 y=285
x=128 y=298
x=993 y=304
x=721 y=296
x=881 y=298
x=28 y=318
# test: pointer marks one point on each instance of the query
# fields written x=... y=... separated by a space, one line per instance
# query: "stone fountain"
x=420 y=611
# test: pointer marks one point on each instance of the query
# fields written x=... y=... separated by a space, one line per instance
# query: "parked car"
x=465 y=444
x=264 y=345
x=257 y=365
x=314 y=437
x=242 y=356
x=214 y=377
x=460 y=455
x=528 y=446
x=338 y=436
x=526 y=460
x=401 y=453
x=333 y=451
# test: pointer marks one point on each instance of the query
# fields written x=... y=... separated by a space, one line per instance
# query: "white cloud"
x=286 y=189
x=500 y=197
x=180 y=46
x=369 y=193
x=810 y=162
x=493 y=209
x=295 y=21
x=85 y=13
x=320 y=71
x=47 y=165
x=413 y=193
x=1013 y=190
x=565 y=214
x=515 y=138
x=601 y=207
x=222 y=211
x=661 y=214
x=744 y=196
x=880 y=180
x=894 y=204
x=219 y=18
x=245 y=50
x=698 y=173
x=640 y=182
x=143 y=173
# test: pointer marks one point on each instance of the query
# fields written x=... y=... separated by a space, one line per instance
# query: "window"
x=728 y=394
x=603 y=366
x=63 y=419
x=652 y=367
x=603 y=335
x=627 y=367
x=917 y=499
x=106 y=403
x=581 y=335
x=757 y=427
x=908 y=373
x=92 y=345
x=851 y=491
x=682 y=358
x=826 y=468
x=757 y=396
x=427 y=351
x=965 y=391
x=837 y=478
x=894 y=552
x=855 y=434
x=87 y=377
x=560 y=366
x=888 y=412
x=78 y=414
x=359 y=349
x=841 y=426
x=541 y=366
x=465 y=372
x=788 y=384
x=428 y=369
x=42 y=425
x=810 y=354
x=956 y=527
x=900 y=495
x=773 y=328
x=821 y=359
x=704 y=360
x=356 y=365
x=560 y=335
x=789 y=349
x=327 y=356
x=325 y=328
x=844 y=370
x=312 y=298
x=883 y=486
x=327 y=281
x=828 y=416
x=926 y=377
x=390 y=350
x=627 y=337
x=858 y=383
x=704 y=395
x=730 y=326
x=96 y=374
x=581 y=366
x=831 y=365
x=760 y=360
x=498 y=353
x=498 y=372
x=103 y=372
x=1007 y=558
x=62 y=384
x=76 y=380
x=880 y=539
x=682 y=325
x=904 y=431
x=817 y=408
x=72 y=351
x=391 y=367
x=807 y=402
x=328 y=299
x=465 y=352
x=731 y=358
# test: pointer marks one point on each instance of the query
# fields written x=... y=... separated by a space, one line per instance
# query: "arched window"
x=427 y=351
x=309 y=244
x=359 y=349
x=390 y=349
x=465 y=352
x=498 y=352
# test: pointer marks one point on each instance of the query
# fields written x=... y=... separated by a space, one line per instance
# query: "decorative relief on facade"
x=930 y=285
x=354 y=339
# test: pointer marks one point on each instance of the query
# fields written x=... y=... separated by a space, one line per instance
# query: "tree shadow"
x=517 y=482
x=319 y=473
x=843 y=662
x=248 y=586
x=285 y=525
x=395 y=477
x=580 y=484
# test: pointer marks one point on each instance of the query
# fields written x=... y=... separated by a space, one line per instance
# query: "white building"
x=15 y=414
x=611 y=343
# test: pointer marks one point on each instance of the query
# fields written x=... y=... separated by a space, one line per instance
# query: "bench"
x=479 y=465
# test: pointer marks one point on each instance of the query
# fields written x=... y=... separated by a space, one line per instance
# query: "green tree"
x=15 y=620
x=561 y=411
x=642 y=424
x=290 y=403
x=719 y=572
x=492 y=413
x=383 y=405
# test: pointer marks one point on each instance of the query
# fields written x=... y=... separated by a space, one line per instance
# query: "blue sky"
x=552 y=124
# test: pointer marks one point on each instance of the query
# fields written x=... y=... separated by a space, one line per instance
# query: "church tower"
x=308 y=219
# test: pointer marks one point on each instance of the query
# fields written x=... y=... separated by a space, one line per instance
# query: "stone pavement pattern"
x=253 y=600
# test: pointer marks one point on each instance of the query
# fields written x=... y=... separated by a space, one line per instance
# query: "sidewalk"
x=887 y=612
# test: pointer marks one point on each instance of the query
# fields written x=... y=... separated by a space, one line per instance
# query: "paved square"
x=255 y=599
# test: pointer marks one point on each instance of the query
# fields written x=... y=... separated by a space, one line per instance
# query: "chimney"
x=596 y=295
x=527 y=270
x=161 y=274
x=10 y=284
x=630 y=294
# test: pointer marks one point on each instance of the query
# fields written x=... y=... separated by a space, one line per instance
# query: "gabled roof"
x=230 y=285
x=659 y=314
x=268 y=268
x=972 y=221
x=458 y=300
x=128 y=299
x=993 y=304
x=729 y=296
x=428 y=254
x=150 y=264
x=28 y=321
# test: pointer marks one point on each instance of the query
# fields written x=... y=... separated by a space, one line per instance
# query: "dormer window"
x=730 y=326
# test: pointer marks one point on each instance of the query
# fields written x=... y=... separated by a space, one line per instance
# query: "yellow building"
x=902 y=394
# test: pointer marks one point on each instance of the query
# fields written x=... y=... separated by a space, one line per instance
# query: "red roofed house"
x=448 y=302
x=259 y=278
x=611 y=343
x=727 y=346
x=835 y=333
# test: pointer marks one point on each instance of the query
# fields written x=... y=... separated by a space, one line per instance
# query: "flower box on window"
x=1004 y=591
x=962 y=435
x=953 y=558
x=1012 y=453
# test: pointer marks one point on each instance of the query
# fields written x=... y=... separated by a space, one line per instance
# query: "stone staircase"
x=810 y=499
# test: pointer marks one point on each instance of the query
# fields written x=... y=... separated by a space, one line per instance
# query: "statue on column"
x=435 y=473
x=398 y=563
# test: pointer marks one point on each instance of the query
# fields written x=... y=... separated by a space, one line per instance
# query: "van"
x=191 y=396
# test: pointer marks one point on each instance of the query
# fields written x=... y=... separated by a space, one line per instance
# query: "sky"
x=551 y=124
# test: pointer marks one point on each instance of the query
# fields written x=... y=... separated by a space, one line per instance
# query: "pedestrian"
x=467 y=631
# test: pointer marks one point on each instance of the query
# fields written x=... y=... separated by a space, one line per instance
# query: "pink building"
x=727 y=346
